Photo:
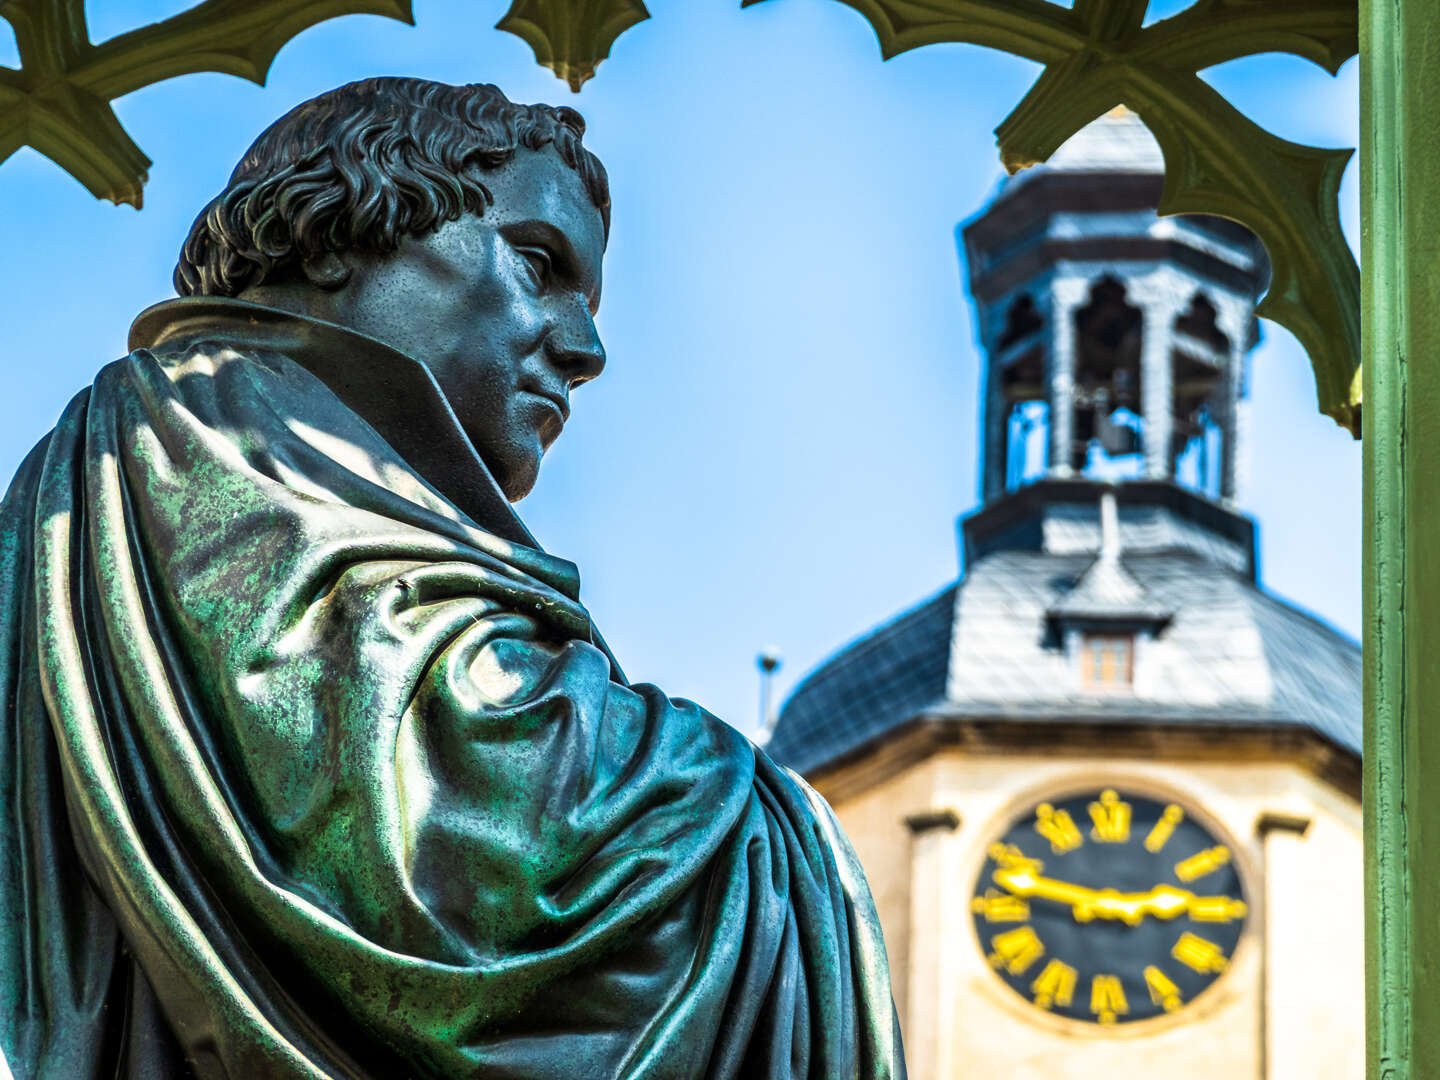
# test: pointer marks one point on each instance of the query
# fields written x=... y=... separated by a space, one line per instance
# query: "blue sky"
x=786 y=432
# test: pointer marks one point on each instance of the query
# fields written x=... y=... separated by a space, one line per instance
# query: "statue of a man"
x=313 y=764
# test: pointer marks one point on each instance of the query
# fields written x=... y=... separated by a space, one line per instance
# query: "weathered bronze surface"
x=313 y=763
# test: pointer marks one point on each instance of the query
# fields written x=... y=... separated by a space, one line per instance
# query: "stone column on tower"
x=1067 y=294
x=1236 y=319
x=995 y=430
x=1161 y=298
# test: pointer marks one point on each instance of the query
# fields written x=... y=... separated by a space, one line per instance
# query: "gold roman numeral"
x=1107 y=998
x=1012 y=858
x=1163 y=829
x=1001 y=907
x=1217 y=909
x=1111 y=816
x=1055 y=985
x=1195 y=952
x=1163 y=991
x=1202 y=863
x=1058 y=827
x=1016 y=950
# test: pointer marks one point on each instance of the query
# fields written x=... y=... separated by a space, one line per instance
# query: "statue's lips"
x=551 y=403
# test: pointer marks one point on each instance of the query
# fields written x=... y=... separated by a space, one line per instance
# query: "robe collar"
x=393 y=392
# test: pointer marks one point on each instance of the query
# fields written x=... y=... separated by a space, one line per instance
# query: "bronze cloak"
x=314 y=765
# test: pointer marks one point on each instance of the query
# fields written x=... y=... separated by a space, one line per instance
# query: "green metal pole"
x=1400 y=241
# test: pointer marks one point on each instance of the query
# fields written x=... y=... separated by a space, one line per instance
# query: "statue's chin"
x=516 y=479
x=512 y=454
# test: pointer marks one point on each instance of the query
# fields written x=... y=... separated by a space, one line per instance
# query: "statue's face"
x=501 y=307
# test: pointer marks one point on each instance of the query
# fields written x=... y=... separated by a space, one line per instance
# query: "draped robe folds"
x=314 y=766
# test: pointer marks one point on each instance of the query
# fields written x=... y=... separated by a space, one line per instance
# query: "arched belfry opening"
x=1107 y=375
x=1022 y=321
x=1115 y=341
x=1020 y=368
x=1200 y=355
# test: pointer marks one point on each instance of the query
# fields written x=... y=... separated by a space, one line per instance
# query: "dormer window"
x=1106 y=614
x=1107 y=661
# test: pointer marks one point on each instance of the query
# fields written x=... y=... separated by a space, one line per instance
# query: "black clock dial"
x=1108 y=907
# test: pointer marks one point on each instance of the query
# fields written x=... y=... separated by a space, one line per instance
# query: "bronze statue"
x=313 y=763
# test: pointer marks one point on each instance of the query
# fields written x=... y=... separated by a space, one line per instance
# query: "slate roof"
x=1230 y=654
x=871 y=685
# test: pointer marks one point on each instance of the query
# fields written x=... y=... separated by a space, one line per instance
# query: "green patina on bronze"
x=1220 y=163
x=1400 y=231
x=313 y=764
x=358 y=791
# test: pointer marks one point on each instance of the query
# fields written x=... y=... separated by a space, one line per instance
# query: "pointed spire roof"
x=1118 y=142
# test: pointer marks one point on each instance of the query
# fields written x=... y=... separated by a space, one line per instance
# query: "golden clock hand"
x=1085 y=903
x=1163 y=901
x=1169 y=902
x=1021 y=880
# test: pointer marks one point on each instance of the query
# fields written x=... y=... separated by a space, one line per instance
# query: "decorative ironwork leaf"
x=571 y=37
x=59 y=100
x=1217 y=161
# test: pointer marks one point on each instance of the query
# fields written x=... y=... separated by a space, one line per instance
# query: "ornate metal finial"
x=59 y=100
x=571 y=37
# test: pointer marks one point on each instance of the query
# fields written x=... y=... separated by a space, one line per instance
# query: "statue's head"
x=446 y=221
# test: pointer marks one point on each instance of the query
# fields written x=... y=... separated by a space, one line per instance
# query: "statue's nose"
x=575 y=349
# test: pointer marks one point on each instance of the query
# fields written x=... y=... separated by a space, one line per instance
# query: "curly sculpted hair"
x=363 y=166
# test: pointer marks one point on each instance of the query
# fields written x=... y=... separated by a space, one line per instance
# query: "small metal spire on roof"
x=1109 y=527
x=1107 y=590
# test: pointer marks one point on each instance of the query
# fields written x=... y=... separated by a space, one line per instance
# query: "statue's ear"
x=328 y=271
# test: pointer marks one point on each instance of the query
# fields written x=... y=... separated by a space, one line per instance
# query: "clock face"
x=1108 y=907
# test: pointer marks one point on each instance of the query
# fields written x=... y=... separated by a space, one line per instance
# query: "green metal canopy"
x=1097 y=55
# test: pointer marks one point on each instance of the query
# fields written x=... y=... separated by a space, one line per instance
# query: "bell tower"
x=1105 y=711
x=1116 y=341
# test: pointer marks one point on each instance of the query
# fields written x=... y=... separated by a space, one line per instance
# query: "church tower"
x=1105 y=786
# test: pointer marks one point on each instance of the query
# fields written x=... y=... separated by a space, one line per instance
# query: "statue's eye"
x=539 y=262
